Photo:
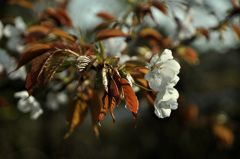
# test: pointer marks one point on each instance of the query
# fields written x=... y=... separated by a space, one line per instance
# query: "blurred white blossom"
x=162 y=77
x=29 y=104
x=9 y=64
x=13 y=33
x=55 y=99
x=115 y=47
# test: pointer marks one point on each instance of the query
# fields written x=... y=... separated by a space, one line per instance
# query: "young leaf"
x=150 y=33
x=160 y=6
x=76 y=112
x=61 y=33
x=130 y=97
x=105 y=15
x=32 y=52
x=109 y=33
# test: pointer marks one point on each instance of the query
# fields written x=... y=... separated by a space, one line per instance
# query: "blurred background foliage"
x=206 y=124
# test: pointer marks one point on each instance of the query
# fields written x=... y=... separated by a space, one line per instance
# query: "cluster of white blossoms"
x=162 y=77
x=29 y=104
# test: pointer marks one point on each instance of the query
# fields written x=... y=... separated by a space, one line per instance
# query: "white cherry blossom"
x=30 y=104
x=165 y=102
x=163 y=71
x=162 y=77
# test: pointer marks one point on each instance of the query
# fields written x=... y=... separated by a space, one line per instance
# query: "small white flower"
x=162 y=77
x=28 y=105
x=163 y=71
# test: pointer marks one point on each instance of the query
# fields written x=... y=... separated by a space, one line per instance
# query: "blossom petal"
x=162 y=112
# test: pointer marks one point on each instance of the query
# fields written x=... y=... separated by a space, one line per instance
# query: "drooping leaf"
x=35 y=72
x=32 y=52
x=109 y=33
x=50 y=68
x=61 y=33
x=29 y=83
x=113 y=91
x=105 y=79
x=106 y=15
x=116 y=79
x=160 y=6
x=104 y=107
x=130 y=97
x=95 y=106
x=112 y=106
x=76 y=112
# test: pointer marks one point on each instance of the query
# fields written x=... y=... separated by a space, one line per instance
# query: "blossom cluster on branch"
x=125 y=57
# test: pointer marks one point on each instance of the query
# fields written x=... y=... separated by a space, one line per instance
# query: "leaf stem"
x=134 y=67
x=146 y=89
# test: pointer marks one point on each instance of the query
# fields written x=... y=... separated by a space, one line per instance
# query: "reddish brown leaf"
x=60 y=16
x=113 y=91
x=104 y=107
x=29 y=83
x=108 y=33
x=106 y=15
x=35 y=33
x=130 y=97
x=150 y=33
x=33 y=75
x=160 y=6
x=32 y=52
x=76 y=112
x=102 y=25
x=51 y=66
x=116 y=78
x=61 y=33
